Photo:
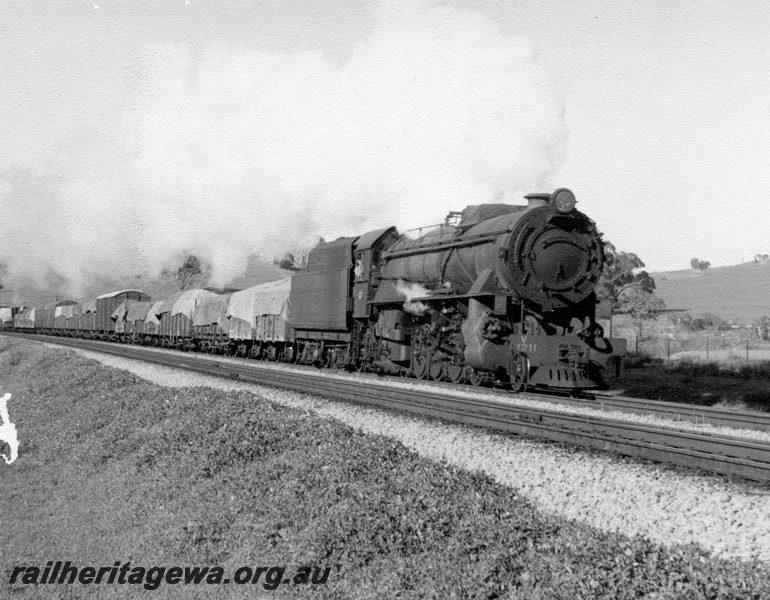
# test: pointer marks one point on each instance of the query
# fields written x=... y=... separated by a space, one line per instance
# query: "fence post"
x=668 y=347
x=707 y=348
x=747 y=352
x=611 y=307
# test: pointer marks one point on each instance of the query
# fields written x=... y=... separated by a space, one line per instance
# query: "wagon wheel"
x=280 y=354
x=476 y=377
x=518 y=371
x=318 y=355
x=297 y=358
x=366 y=353
x=330 y=358
x=273 y=353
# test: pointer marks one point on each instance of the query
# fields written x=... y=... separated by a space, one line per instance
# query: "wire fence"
x=706 y=348
x=734 y=346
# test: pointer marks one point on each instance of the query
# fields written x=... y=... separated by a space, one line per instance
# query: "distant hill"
x=738 y=293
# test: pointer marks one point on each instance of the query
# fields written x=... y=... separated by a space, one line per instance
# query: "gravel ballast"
x=600 y=491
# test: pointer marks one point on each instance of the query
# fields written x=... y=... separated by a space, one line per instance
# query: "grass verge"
x=699 y=383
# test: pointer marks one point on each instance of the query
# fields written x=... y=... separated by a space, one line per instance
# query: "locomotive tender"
x=498 y=294
x=504 y=295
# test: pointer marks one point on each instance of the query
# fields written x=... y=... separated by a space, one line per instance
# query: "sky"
x=137 y=131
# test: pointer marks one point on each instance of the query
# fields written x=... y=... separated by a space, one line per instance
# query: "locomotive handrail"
x=446 y=294
x=471 y=241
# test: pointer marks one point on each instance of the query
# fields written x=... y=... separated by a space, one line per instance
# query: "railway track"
x=727 y=455
x=670 y=411
x=700 y=415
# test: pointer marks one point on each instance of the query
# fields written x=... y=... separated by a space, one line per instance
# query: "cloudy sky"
x=136 y=131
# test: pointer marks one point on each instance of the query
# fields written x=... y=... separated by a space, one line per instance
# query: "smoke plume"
x=412 y=291
x=232 y=151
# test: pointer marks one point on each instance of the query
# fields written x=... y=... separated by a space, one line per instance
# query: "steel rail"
x=672 y=411
x=726 y=455
x=710 y=415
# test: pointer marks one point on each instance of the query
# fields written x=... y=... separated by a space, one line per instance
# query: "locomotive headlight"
x=563 y=200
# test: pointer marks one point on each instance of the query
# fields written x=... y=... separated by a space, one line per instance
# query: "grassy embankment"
x=112 y=468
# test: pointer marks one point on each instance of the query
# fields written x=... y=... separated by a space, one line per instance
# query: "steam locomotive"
x=498 y=294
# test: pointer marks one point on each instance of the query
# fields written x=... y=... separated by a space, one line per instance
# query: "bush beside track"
x=745 y=387
x=111 y=466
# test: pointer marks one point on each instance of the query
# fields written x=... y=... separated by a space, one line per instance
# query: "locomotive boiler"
x=498 y=294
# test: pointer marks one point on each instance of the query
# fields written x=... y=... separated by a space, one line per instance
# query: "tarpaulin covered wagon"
x=258 y=318
x=106 y=305
x=176 y=318
x=210 y=323
x=7 y=313
x=25 y=318
x=49 y=319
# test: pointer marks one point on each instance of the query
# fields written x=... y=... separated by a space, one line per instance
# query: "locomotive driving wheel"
x=420 y=366
x=437 y=370
x=518 y=371
x=421 y=353
x=455 y=370
x=475 y=377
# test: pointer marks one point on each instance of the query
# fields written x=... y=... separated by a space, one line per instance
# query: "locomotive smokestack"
x=537 y=200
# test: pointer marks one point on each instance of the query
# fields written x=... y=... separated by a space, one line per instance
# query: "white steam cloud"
x=412 y=291
x=233 y=152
